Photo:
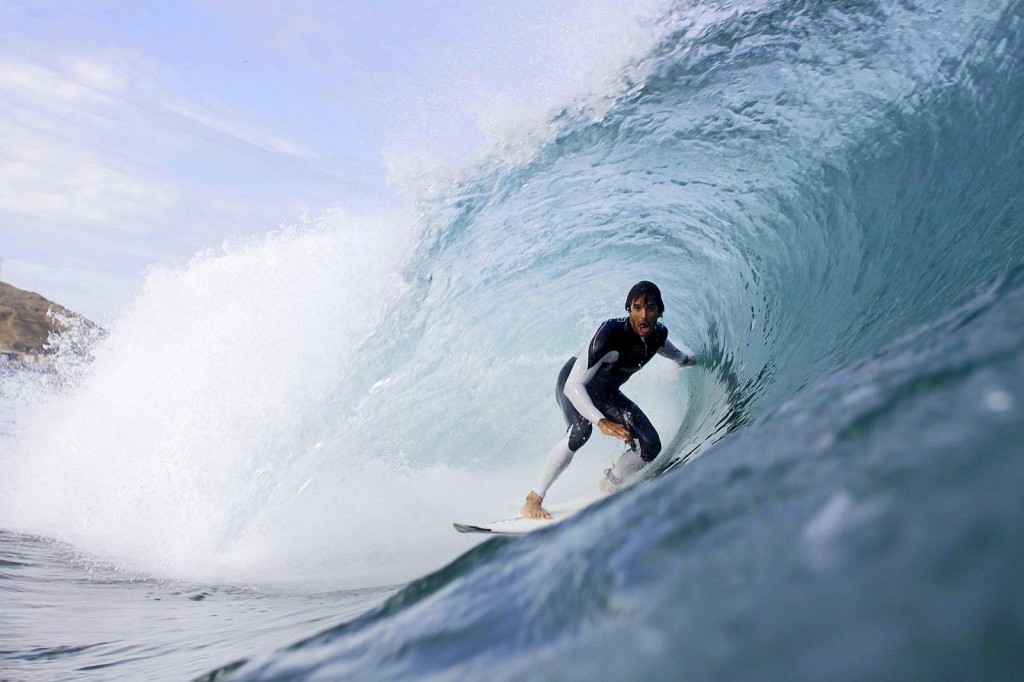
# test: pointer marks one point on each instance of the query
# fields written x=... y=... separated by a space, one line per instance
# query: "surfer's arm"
x=576 y=385
x=576 y=391
x=684 y=357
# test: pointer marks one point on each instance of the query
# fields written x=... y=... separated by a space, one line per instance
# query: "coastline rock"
x=25 y=323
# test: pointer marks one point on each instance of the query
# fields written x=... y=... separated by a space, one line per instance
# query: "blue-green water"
x=829 y=195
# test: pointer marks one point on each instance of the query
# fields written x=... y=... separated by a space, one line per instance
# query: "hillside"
x=24 y=324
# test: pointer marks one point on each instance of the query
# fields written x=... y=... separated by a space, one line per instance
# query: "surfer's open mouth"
x=643 y=328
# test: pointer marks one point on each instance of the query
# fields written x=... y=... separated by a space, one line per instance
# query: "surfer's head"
x=649 y=292
x=645 y=306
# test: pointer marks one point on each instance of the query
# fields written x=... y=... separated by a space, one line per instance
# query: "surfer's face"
x=643 y=315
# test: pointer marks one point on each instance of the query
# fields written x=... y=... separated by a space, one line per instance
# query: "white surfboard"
x=519 y=525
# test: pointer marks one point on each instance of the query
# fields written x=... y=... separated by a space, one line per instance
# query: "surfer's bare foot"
x=532 y=508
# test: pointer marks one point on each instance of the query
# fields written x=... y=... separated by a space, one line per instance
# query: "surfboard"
x=519 y=526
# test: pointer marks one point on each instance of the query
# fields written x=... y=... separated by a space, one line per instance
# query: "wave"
x=829 y=197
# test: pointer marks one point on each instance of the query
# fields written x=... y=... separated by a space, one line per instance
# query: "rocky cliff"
x=24 y=320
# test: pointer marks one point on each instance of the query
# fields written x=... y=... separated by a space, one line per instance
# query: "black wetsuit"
x=633 y=351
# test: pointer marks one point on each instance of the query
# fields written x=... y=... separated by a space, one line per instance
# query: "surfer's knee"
x=650 y=446
x=579 y=434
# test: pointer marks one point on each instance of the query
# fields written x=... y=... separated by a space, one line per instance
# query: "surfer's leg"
x=646 y=443
x=628 y=464
x=558 y=459
x=579 y=428
x=561 y=454
x=621 y=409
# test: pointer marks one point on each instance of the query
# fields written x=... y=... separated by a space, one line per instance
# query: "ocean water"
x=253 y=477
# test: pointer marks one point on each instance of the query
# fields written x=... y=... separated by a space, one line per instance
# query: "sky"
x=135 y=134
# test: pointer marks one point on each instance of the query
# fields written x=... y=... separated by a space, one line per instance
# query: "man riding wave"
x=588 y=393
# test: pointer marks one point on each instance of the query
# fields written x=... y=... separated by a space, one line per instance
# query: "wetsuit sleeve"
x=576 y=385
x=600 y=350
x=684 y=357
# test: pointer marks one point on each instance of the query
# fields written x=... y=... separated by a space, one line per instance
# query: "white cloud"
x=114 y=71
x=27 y=80
x=53 y=169
x=51 y=178
x=237 y=128
x=104 y=170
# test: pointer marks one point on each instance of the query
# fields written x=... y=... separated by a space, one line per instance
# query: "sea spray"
x=208 y=402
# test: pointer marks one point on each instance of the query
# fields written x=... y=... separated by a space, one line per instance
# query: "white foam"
x=499 y=93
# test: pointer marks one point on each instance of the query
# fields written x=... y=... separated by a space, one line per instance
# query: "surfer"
x=588 y=393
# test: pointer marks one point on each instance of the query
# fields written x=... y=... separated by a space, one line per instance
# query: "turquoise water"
x=828 y=195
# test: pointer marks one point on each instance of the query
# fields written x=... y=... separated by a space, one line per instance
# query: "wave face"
x=830 y=197
x=828 y=194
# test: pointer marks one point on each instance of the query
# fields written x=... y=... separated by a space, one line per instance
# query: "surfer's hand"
x=614 y=430
x=689 y=361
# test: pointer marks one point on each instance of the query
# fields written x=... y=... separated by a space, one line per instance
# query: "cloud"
x=49 y=177
x=59 y=166
x=236 y=128
x=105 y=169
